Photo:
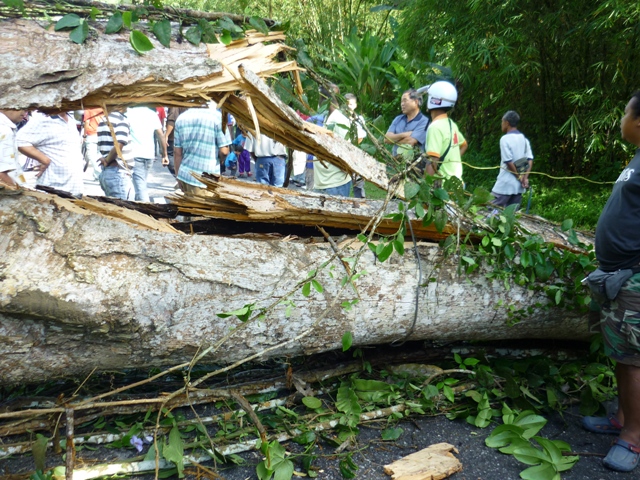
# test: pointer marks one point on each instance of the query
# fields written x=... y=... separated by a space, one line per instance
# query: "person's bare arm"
x=32 y=152
x=398 y=137
x=224 y=150
x=463 y=148
x=7 y=180
x=432 y=165
x=169 y=130
x=177 y=158
x=163 y=143
x=524 y=179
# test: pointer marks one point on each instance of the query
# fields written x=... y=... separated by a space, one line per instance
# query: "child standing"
x=244 y=160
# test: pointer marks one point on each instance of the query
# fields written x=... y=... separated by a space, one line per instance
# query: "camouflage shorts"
x=620 y=324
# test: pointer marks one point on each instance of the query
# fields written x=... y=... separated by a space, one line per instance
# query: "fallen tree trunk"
x=80 y=291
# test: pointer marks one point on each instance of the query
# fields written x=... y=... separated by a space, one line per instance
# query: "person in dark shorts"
x=618 y=247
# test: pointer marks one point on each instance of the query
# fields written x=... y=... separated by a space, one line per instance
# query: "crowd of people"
x=120 y=148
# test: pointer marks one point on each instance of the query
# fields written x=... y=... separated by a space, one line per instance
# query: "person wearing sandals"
x=617 y=249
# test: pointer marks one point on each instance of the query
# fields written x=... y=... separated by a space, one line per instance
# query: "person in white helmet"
x=445 y=143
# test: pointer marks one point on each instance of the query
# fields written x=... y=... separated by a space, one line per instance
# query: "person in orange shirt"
x=91 y=119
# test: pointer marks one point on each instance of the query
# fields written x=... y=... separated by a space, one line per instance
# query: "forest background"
x=567 y=67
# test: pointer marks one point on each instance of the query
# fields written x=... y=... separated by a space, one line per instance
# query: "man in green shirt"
x=445 y=142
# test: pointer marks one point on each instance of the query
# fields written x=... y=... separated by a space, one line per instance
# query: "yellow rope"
x=577 y=177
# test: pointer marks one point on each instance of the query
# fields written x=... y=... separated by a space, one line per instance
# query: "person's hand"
x=165 y=161
x=524 y=181
x=41 y=167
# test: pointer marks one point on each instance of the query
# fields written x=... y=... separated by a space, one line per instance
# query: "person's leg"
x=140 y=173
x=308 y=178
x=263 y=165
x=358 y=187
x=628 y=378
x=279 y=167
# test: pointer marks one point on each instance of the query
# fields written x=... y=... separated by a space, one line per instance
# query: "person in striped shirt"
x=116 y=158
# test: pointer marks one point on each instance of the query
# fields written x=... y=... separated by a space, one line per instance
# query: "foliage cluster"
x=567 y=67
x=485 y=391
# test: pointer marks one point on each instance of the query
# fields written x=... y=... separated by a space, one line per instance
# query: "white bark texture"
x=80 y=291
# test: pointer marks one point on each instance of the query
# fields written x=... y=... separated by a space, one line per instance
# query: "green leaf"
x=114 y=24
x=386 y=252
x=447 y=391
x=225 y=23
x=392 y=433
x=193 y=34
x=503 y=435
x=316 y=285
x=419 y=210
x=531 y=424
x=540 y=472
x=347 y=341
x=241 y=313
x=208 y=32
x=530 y=455
x=226 y=37
x=162 y=31
x=550 y=448
x=306 y=289
x=79 y=34
x=174 y=451
x=259 y=25
x=39 y=451
x=411 y=190
x=312 y=402
x=347 y=401
x=140 y=42
x=283 y=470
x=399 y=246
x=70 y=20
x=93 y=14
x=567 y=224
x=515 y=444
x=441 y=193
x=126 y=18
x=441 y=220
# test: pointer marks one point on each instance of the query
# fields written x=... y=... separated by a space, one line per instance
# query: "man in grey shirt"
x=513 y=146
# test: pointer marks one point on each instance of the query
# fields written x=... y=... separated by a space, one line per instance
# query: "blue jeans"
x=116 y=182
x=140 y=172
x=270 y=170
x=341 y=191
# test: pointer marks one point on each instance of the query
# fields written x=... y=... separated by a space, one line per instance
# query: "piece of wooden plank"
x=432 y=463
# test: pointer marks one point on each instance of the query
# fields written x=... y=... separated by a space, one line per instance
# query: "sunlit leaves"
x=140 y=42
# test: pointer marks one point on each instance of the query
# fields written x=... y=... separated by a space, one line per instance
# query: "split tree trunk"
x=80 y=291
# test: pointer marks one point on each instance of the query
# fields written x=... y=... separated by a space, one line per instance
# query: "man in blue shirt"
x=410 y=128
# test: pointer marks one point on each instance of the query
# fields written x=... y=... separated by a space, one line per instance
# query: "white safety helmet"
x=440 y=94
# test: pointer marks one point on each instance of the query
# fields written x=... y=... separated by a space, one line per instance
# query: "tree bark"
x=80 y=291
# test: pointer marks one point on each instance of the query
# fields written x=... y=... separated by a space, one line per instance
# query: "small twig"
x=246 y=406
x=447 y=372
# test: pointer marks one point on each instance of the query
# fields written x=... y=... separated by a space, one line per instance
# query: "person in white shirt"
x=54 y=142
x=10 y=170
x=145 y=129
x=271 y=159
